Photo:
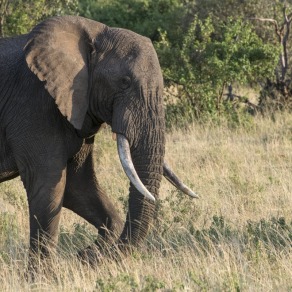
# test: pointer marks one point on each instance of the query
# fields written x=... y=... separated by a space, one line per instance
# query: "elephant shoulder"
x=12 y=45
x=11 y=51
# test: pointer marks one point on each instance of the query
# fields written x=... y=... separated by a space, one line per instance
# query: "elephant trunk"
x=148 y=163
x=141 y=210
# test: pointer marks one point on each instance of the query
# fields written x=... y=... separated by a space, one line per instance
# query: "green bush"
x=20 y=16
x=212 y=56
x=146 y=17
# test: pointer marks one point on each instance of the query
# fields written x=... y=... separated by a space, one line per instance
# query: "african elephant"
x=59 y=84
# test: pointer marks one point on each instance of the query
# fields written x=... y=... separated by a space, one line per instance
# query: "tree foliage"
x=207 y=62
x=146 y=17
x=204 y=46
x=272 y=21
x=19 y=16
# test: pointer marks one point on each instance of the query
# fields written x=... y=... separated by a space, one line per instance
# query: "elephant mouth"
x=128 y=166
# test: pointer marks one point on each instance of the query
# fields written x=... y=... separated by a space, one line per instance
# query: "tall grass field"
x=236 y=237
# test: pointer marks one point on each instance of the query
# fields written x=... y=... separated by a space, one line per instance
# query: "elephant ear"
x=58 y=52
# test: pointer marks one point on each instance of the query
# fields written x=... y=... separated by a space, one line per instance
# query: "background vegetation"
x=207 y=49
x=227 y=72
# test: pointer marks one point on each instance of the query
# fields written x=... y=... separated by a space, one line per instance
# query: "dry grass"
x=237 y=237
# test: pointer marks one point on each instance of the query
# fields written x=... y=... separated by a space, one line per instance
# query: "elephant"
x=59 y=84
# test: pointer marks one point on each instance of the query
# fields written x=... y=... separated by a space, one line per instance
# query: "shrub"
x=212 y=56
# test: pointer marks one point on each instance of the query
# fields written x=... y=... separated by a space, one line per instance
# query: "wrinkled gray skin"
x=58 y=85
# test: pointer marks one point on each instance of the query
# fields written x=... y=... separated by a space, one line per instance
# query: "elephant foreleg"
x=45 y=204
x=84 y=196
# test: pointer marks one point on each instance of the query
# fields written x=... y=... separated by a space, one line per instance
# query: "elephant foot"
x=96 y=254
x=90 y=256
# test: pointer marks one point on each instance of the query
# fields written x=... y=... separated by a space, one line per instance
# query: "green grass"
x=236 y=237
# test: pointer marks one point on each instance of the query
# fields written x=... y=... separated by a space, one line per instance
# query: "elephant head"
x=99 y=74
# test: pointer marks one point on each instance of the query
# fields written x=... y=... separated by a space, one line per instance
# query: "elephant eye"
x=125 y=82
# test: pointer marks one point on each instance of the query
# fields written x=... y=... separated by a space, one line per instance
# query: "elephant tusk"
x=173 y=179
x=127 y=163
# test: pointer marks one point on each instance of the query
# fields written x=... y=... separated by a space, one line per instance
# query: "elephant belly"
x=8 y=167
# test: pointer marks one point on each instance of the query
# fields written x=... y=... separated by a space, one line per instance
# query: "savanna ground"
x=236 y=237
